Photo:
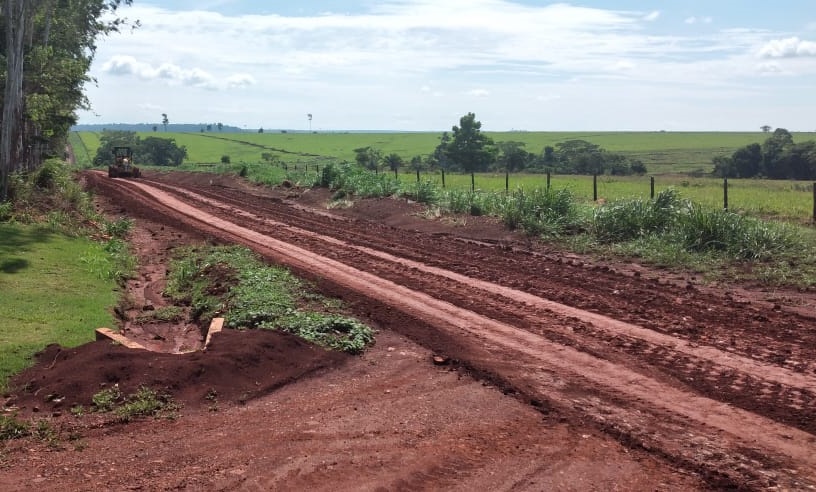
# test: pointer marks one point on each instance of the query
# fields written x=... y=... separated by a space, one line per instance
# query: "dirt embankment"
x=609 y=375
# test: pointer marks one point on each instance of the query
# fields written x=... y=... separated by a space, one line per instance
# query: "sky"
x=420 y=65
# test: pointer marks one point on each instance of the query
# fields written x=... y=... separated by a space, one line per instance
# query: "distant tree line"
x=777 y=158
x=467 y=149
x=46 y=49
x=151 y=151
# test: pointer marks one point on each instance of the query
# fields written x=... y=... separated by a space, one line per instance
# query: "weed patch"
x=232 y=282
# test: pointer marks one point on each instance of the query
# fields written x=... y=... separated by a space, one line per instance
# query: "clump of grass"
x=118 y=228
x=147 y=402
x=106 y=399
x=624 y=220
x=164 y=314
x=540 y=212
x=327 y=330
x=700 y=229
x=422 y=192
x=13 y=428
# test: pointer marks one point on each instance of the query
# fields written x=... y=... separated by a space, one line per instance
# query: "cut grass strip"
x=48 y=294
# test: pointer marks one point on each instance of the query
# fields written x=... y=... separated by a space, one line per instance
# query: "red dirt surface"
x=565 y=373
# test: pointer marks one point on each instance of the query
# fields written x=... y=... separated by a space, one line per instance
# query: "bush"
x=225 y=159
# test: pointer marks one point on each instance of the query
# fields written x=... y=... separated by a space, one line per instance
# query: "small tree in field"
x=394 y=161
x=369 y=158
x=469 y=148
x=225 y=159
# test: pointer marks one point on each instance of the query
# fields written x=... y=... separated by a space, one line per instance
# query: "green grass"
x=790 y=201
x=232 y=282
x=49 y=294
x=77 y=143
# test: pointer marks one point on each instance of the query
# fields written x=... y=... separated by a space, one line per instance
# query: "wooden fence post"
x=594 y=187
x=652 y=186
x=548 y=181
x=725 y=192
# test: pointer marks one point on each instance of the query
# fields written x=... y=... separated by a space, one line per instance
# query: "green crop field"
x=662 y=152
x=667 y=155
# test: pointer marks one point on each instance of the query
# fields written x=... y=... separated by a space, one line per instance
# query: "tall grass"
x=624 y=220
x=740 y=237
x=540 y=212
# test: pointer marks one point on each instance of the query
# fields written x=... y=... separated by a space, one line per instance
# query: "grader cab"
x=122 y=166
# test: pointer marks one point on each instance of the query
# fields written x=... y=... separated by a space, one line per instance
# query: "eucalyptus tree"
x=48 y=46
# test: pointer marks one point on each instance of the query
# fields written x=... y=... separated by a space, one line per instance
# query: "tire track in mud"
x=732 y=437
x=787 y=396
x=787 y=339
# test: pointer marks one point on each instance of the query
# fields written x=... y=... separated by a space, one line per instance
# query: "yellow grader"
x=122 y=166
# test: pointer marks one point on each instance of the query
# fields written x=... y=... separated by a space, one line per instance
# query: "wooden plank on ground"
x=216 y=325
x=107 y=333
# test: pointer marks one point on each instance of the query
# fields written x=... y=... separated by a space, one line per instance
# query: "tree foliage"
x=151 y=151
x=47 y=47
x=469 y=149
x=369 y=158
x=777 y=158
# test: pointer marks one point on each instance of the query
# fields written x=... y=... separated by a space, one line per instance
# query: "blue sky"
x=421 y=64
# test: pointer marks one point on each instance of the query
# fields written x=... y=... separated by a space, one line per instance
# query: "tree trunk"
x=11 y=126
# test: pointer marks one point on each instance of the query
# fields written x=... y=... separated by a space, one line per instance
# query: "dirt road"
x=711 y=384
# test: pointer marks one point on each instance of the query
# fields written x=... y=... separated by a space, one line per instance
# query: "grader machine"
x=122 y=166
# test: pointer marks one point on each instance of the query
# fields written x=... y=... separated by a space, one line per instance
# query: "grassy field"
x=662 y=152
x=668 y=155
x=52 y=292
x=783 y=200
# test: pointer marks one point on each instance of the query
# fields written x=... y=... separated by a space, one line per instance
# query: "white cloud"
x=622 y=65
x=701 y=20
x=769 y=68
x=124 y=65
x=392 y=57
x=241 y=80
x=787 y=48
x=478 y=92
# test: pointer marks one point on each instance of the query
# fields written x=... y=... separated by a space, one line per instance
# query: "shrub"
x=225 y=159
